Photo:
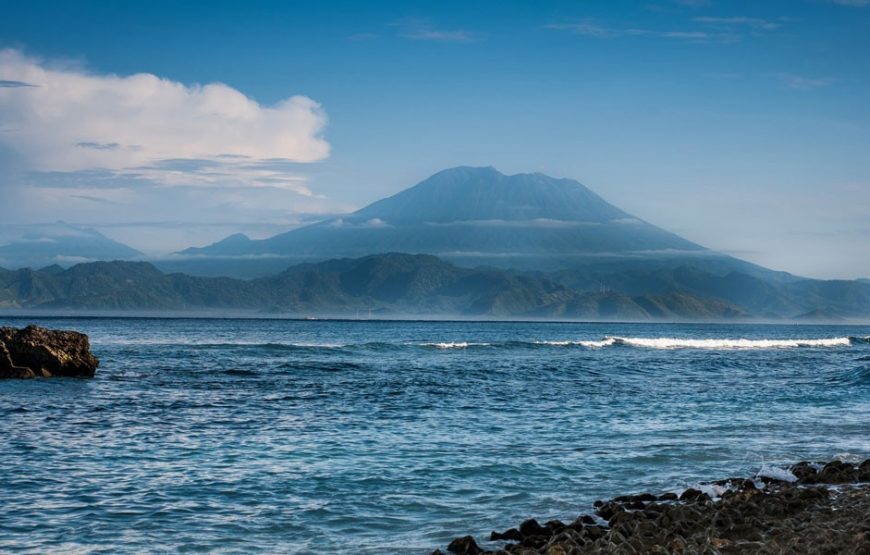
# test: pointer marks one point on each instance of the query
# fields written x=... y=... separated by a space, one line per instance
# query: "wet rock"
x=464 y=546
x=635 y=499
x=555 y=526
x=534 y=542
x=781 y=517
x=582 y=522
x=837 y=472
x=512 y=534
x=38 y=352
x=531 y=527
x=8 y=369
x=805 y=472
x=594 y=532
x=693 y=494
x=610 y=509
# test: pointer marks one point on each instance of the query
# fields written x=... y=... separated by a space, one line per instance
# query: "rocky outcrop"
x=35 y=352
x=816 y=508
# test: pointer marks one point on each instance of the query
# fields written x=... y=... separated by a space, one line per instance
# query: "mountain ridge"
x=423 y=285
x=387 y=284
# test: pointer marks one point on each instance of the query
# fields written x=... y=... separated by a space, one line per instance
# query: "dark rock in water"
x=634 y=499
x=35 y=352
x=513 y=534
x=692 y=494
x=837 y=472
x=7 y=367
x=531 y=528
x=775 y=516
x=464 y=546
x=805 y=472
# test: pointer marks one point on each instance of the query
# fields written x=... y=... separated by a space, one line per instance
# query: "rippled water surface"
x=373 y=437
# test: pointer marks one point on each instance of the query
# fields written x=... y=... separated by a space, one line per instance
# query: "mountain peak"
x=469 y=194
x=477 y=215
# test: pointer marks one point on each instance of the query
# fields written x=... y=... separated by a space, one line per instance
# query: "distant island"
x=466 y=242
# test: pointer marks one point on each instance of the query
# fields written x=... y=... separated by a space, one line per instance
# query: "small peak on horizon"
x=238 y=236
x=235 y=239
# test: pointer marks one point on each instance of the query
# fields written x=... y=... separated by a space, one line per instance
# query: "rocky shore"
x=814 y=508
x=35 y=352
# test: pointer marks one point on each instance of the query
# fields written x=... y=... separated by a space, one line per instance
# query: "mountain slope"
x=396 y=284
x=474 y=216
x=761 y=296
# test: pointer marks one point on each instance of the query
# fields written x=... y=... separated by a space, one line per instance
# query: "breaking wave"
x=711 y=344
x=608 y=341
x=455 y=345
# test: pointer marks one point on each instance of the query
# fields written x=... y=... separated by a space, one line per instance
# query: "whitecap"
x=606 y=342
x=776 y=473
x=455 y=345
x=712 y=344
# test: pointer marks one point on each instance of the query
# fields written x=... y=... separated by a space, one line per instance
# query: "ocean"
x=289 y=436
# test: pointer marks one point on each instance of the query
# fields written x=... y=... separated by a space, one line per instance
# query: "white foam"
x=606 y=342
x=678 y=343
x=455 y=345
x=714 y=344
x=713 y=490
x=776 y=473
x=849 y=458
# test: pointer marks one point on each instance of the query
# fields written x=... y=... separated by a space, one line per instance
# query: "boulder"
x=34 y=352
x=464 y=546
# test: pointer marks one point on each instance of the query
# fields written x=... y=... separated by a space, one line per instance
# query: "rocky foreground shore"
x=815 y=508
x=35 y=352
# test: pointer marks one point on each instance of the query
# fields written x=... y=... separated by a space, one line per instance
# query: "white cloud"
x=108 y=150
x=752 y=22
x=64 y=119
x=443 y=36
x=591 y=29
x=708 y=29
x=415 y=29
x=801 y=82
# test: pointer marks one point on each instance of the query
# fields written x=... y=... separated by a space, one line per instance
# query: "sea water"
x=281 y=436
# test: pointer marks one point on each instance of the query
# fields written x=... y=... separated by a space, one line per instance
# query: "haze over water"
x=281 y=436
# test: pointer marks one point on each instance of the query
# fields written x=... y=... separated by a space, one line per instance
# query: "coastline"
x=810 y=508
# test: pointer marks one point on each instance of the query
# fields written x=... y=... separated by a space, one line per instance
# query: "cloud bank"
x=64 y=119
x=133 y=154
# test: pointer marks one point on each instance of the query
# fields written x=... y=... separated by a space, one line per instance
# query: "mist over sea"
x=287 y=436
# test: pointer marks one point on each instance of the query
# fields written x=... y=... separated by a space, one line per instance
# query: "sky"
x=742 y=126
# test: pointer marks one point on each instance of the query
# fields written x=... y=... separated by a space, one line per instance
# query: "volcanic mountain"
x=472 y=216
x=37 y=245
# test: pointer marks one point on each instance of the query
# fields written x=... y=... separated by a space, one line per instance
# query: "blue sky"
x=744 y=126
